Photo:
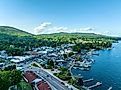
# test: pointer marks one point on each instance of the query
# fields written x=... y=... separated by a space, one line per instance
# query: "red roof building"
x=30 y=76
x=41 y=85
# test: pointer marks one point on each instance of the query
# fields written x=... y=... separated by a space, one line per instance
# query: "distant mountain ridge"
x=12 y=31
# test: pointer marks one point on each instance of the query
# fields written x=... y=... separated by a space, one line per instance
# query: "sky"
x=52 y=16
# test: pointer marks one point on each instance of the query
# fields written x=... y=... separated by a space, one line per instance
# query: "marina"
x=105 y=69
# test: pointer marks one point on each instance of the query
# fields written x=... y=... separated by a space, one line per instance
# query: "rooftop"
x=30 y=76
x=43 y=86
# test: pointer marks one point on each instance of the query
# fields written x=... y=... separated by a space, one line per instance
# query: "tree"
x=50 y=64
x=12 y=67
x=9 y=78
x=70 y=54
x=65 y=56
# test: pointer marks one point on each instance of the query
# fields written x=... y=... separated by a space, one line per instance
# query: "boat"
x=109 y=48
x=84 y=69
x=86 y=65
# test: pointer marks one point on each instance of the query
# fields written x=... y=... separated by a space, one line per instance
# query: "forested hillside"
x=12 y=31
x=16 y=41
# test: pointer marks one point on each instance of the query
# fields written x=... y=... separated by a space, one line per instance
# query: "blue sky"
x=47 y=16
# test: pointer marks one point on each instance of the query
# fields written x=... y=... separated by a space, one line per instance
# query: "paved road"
x=51 y=80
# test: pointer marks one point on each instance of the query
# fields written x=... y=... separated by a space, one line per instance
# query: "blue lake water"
x=107 y=69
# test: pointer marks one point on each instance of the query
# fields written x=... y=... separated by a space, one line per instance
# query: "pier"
x=110 y=88
x=96 y=54
x=96 y=85
x=88 y=80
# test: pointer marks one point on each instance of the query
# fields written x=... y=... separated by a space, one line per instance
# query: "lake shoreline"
x=106 y=66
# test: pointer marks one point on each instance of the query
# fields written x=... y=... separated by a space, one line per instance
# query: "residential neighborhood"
x=49 y=61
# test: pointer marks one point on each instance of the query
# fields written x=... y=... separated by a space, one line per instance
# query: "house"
x=17 y=59
x=33 y=79
x=70 y=45
x=42 y=52
x=20 y=68
x=68 y=50
x=61 y=63
x=3 y=54
x=31 y=53
x=62 y=52
x=36 y=81
x=52 y=55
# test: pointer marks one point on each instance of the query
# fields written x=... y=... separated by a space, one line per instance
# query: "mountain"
x=12 y=31
x=88 y=35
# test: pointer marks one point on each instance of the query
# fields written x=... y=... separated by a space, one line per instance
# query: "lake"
x=106 y=69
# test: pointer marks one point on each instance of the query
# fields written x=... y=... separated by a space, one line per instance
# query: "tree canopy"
x=9 y=78
x=16 y=41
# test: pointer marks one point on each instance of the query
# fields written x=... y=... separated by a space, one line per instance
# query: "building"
x=37 y=82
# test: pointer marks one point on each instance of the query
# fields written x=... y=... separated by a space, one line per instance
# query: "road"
x=54 y=82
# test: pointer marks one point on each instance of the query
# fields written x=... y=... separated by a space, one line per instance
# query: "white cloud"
x=83 y=30
x=87 y=29
x=108 y=33
x=56 y=30
x=47 y=28
x=60 y=28
x=42 y=27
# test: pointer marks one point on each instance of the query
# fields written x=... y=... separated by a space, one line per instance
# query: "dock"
x=88 y=80
x=96 y=85
x=96 y=54
x=110 y=88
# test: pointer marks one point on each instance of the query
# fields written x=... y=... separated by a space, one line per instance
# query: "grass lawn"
x=24 y=86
